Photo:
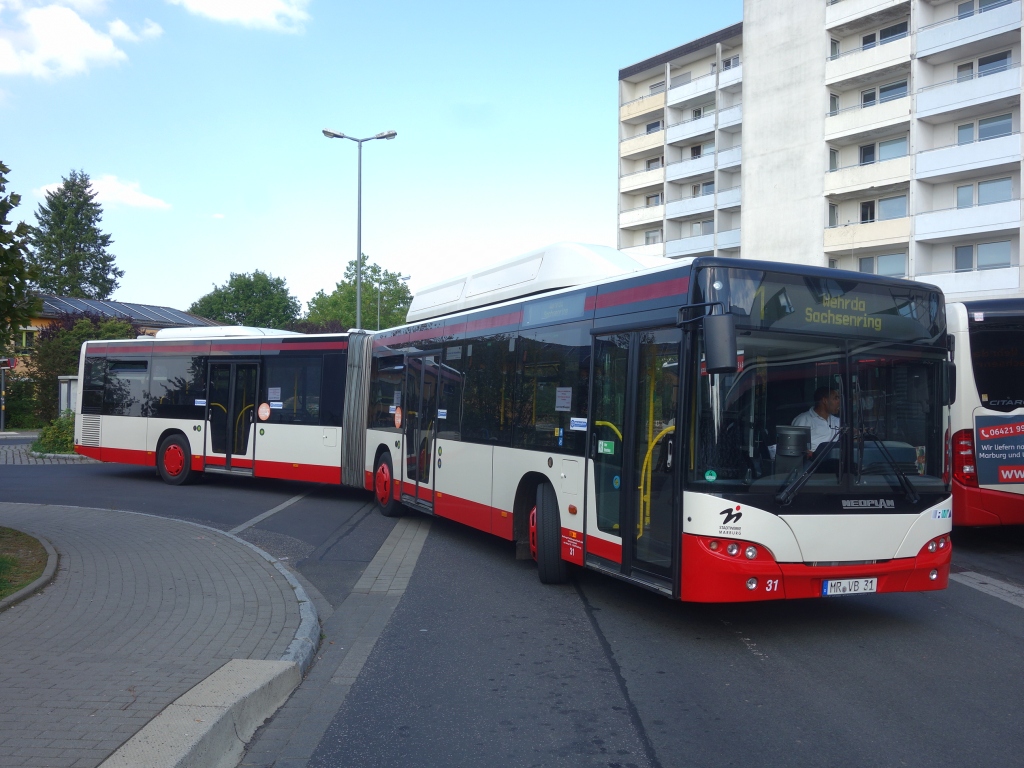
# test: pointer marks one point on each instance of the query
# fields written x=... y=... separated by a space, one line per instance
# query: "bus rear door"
x=420 y=426
x=230 y=414
x=632 y=526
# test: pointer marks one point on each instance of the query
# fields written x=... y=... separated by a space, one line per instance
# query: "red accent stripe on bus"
x=92 y=453
x=676 y=287
x=609 y=550
x=309 y=473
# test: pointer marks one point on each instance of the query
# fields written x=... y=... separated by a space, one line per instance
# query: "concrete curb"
x=209 y=726
x=72 y=456
x=52 y=560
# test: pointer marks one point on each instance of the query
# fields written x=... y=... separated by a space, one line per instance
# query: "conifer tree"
x=16 y=303
x=69 y=251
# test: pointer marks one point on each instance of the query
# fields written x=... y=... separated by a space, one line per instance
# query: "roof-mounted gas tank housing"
x=561 y=265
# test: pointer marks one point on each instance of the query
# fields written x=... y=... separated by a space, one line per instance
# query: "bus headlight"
x=751 y=583
x=932 y=546
x=933 y=575
x=750 y=552
x=733 y=548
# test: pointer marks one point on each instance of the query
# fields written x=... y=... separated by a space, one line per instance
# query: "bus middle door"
x=420 y=426
x=230 y=414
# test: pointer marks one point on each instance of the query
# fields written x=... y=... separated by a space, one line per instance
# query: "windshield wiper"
x=787 y=494
x=905 y=484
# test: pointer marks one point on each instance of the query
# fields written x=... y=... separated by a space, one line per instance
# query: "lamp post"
x=359 y=212
x=404 y=279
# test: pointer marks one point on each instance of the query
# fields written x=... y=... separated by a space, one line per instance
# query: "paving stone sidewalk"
x=21 y=454
x=141 y=610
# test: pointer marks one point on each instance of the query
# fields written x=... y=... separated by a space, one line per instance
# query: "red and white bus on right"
x=987 y=418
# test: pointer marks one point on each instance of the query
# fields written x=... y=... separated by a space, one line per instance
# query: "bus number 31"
x=771 y=585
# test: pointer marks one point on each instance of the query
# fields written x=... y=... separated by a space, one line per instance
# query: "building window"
x=834 y=49
x=833 y=159
x=965 y=10
x=654 y=127
x=867 y=98
x=892 y=91
x=889 y=150
x=894 y=32
x=889 y=265
x=730 y=63
x=994 y=127
x=833 y=104
x=867 y=154
x=699 y=190
x=698 y=228
x=652 y=237
x=868 y=41
x=965 y=72
x=965 y=196
x=963 y=258
x=833 y=263
x=652 y=200
x=867 y=211
x=965 y=134
x=994 y=255
x=994 y=191
x=990 y=65
x=654 y=163
x=657 y=87
x=892 y=208
x=867 y=264
x=833 y=215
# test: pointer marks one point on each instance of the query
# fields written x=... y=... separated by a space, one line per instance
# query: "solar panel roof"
x=140 y=314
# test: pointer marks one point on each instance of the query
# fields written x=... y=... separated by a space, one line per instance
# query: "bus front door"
x=633 y=451
x=230 y=414
x=420 y=425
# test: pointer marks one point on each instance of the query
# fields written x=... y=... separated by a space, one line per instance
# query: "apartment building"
x=873 y=135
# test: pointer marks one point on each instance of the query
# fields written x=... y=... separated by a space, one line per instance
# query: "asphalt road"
x=481 y=664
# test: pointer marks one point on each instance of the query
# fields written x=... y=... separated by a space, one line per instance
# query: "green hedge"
x=58 y=436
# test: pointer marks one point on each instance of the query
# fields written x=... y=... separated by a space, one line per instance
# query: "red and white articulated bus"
x=597 y=425
x=988 y=415
x=634 y=420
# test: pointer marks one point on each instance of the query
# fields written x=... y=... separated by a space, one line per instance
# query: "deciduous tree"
x=16 y=301
x=69 y=251
x=259 y=299
x=378 y=285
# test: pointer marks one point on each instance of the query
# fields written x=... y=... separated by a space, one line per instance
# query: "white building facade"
x=873 y=135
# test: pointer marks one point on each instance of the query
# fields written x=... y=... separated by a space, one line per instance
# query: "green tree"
x=57 y=351
x=259 y=300
x=16 y=302
x=68 y=249
x=378 y=284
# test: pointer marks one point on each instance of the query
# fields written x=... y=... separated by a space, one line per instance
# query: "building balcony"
x=731 y=118
x=650 y=249
x=731 y=79
x=729 y=240
x=730 y=158
x=946 y=40
x=844 y=16
x=642 y=180
x=952 y=223
x=637 y=218
x=862 y=65
x=690 y=206
x=729 y=198
x=690 y=246
x=688 y=129
x=944 y=101
x=644 y=144
x=873 y=234
x=960 y=160
x=857 y=178
x=680 y=95
x=1004 y=280
x=854 y=121
x=638 y=110
x=690 y=167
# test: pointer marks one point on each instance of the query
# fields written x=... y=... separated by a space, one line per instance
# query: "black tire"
x=174 y=461
x=383 y=487
x=551 y=568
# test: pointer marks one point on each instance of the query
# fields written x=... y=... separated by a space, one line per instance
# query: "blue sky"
x=199 y=123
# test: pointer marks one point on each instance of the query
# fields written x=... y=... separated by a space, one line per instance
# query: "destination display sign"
x=888 y=311
x=999 y=449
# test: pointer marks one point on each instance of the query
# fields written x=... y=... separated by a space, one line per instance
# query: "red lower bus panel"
x=572 y=546
x=118 y=455
x=716 y=577
x=310 y=473
x=368 y=480
x=980 y=506
x=464 y=511
x=607 y=549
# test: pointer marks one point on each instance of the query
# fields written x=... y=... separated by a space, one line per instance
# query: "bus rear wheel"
x=546 y=537
x=383 y=487
x=174 y=461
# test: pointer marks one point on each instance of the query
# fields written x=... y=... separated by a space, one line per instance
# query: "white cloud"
x=54 y=41
x=278 y=15
x=110 y=190
x=118 y=29
x=218 y=215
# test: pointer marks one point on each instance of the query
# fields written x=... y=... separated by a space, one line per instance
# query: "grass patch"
x=58 y=436
x=22 y=561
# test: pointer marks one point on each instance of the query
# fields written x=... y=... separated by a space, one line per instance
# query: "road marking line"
x=990 y=586
x=269 y=512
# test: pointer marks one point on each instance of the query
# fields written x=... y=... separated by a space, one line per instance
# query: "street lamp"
x=404 y=279
x=359 y=212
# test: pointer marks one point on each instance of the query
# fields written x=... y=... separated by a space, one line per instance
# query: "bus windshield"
x=997 y=356
x=856 y=417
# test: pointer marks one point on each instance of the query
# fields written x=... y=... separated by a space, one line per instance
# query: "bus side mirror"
x=949 y=368
x=720 y=343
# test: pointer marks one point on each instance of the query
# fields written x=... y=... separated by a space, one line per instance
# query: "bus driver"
x=822 y=417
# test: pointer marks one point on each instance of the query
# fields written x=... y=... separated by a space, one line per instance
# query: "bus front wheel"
x=383 y=487
x=174 y=461
x=547 y=533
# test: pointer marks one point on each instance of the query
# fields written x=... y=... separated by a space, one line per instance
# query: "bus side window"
x=452 y=379
x=490 y=381
x=95 y=378
x=332 y=392
x=386 y=394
